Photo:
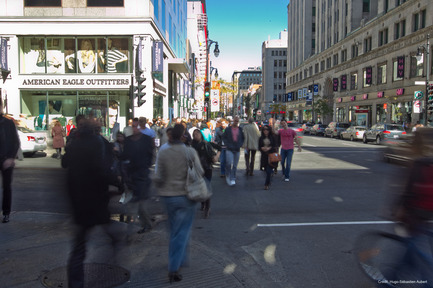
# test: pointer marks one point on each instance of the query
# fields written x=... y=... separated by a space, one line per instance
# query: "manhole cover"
x=96 y=276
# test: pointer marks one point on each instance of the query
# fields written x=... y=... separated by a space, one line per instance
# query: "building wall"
x=390 y=101
x=135 y=21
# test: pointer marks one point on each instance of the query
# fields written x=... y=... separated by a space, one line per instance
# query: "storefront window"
x=157 y=105
x=416 y=66
x=381 y=74
x=43 y=107
x=341 y=115
x=380 y=114
x=401 y=112
x=40 y=55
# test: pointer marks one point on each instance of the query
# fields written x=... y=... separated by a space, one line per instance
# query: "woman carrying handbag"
x=267 y=146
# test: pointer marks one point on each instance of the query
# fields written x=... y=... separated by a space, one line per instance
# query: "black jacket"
x=9 y=140
x=230 y=143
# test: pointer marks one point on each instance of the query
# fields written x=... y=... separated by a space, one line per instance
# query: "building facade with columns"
x=370 y=76
x=81 y=57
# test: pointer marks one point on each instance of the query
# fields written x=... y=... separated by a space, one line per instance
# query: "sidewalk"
x=35 y=248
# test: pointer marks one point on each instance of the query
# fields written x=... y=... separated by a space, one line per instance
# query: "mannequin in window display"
x=114 y=57
x=86 y=58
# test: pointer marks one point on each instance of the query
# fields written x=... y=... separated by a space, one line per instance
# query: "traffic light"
x=139 y=90
x=430 y=98
x=207 y=91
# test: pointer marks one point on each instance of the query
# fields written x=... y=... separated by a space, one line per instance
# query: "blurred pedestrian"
x=251 y=145
x=170 y=179
x=87 y=161
x=287 y=137
x=219 y=131
x=206 y=132
x=267 y=146
x=58 y=134
x=207 y=156
x=139 y=151
x=233 y=138
x=9 y=145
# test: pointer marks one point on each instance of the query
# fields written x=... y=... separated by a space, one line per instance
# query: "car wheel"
x=378 y=140
x=364 y=139
x=351 y=137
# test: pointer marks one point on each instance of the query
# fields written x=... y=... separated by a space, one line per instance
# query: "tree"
x=276 y=108
x=322 y=108
x=229 y=89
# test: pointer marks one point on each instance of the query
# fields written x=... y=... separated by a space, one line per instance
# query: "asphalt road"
x=297 y=234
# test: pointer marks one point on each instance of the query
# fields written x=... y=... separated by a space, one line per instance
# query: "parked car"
x=384 y=132
x=307 y=128
x=417 y=144
x=334 y=129
x=318 y=129
x=31 y=141
x=353 y=133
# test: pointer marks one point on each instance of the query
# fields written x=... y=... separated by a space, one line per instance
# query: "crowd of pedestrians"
x=93 y=164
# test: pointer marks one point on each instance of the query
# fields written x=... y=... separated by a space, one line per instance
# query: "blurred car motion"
x=415 y=145
x=31 y=141
x=318 y=129
x=353 y=133
x=384 y=132
x=307 y=128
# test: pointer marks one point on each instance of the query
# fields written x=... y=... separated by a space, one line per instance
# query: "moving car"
x=318 y=129
x=418 y=144
x=307 y=128
x=31 y=141
x=353 y=133
x=334 y=129
x=384 y=132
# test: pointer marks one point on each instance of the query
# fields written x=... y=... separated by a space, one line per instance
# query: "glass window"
x=354 y=81
x=105 y=3
x=416 y=67
x=43 y=3
x=74 y=55
x=381 y=74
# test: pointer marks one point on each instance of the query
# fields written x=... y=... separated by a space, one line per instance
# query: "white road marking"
x=338 y=199
x=325 y=224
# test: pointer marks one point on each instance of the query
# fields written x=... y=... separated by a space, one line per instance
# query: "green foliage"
x=323 y=108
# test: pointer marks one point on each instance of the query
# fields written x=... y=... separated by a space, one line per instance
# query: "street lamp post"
x=425 y=49
x=216 y=52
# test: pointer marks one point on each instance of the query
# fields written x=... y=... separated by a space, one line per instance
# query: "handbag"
x=274 y=158
x=197 y=188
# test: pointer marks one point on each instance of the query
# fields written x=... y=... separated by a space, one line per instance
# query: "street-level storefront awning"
x=178 y=65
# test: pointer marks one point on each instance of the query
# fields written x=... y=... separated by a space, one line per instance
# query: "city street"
x=297 y=234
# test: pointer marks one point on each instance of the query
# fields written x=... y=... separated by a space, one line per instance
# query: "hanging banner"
x=368 y=75
x=343 y=86
x=4 y=54
x=335 y=84
x=139 y=61
x=158 y=60
x=400 y=67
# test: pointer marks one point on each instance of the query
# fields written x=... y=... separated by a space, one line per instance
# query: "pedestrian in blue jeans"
x=233 y=138
x=287 y=138
x=219 y=131
x=170 y=179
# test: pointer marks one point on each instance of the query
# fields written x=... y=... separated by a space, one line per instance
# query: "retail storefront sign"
x=4 y=54
x=76 y=82
x=400 y=91
x=365 y=97
x=380 y=94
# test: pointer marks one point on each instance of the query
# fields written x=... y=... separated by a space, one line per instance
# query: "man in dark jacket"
x=86 y=158
x=139 y=151
x=9 y=145
x=233 y=138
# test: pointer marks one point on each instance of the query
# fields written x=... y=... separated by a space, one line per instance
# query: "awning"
x=178 y=65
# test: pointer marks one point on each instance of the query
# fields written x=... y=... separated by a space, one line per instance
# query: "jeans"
x=232 y=160
x=250 y=158
x=223 y=161
x=7 y=190
x=286 y=161
x=181 y=213
x=269 y=171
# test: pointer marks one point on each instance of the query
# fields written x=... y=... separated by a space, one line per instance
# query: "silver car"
x=31 y=141
x=353 y=133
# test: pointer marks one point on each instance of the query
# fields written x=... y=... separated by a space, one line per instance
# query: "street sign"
x=215 y=100
x=416 y=106
x=419 y=82
x=418 y=95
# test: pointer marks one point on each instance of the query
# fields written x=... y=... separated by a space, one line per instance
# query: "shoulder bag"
x=198 y=189
x=274 y=158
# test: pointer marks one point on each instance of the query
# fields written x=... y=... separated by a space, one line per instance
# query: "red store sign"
x=400 y=91
x=380 y=94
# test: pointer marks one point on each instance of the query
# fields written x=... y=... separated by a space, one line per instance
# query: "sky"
x=240 y=27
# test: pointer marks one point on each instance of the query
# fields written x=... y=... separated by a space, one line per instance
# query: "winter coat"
x=230 y=143
x=251 y=136
x=58 y=134
x=9 y=140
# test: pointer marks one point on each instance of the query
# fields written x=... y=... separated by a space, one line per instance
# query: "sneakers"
x=233 y=182
x=228 y=181
x=286 y=180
